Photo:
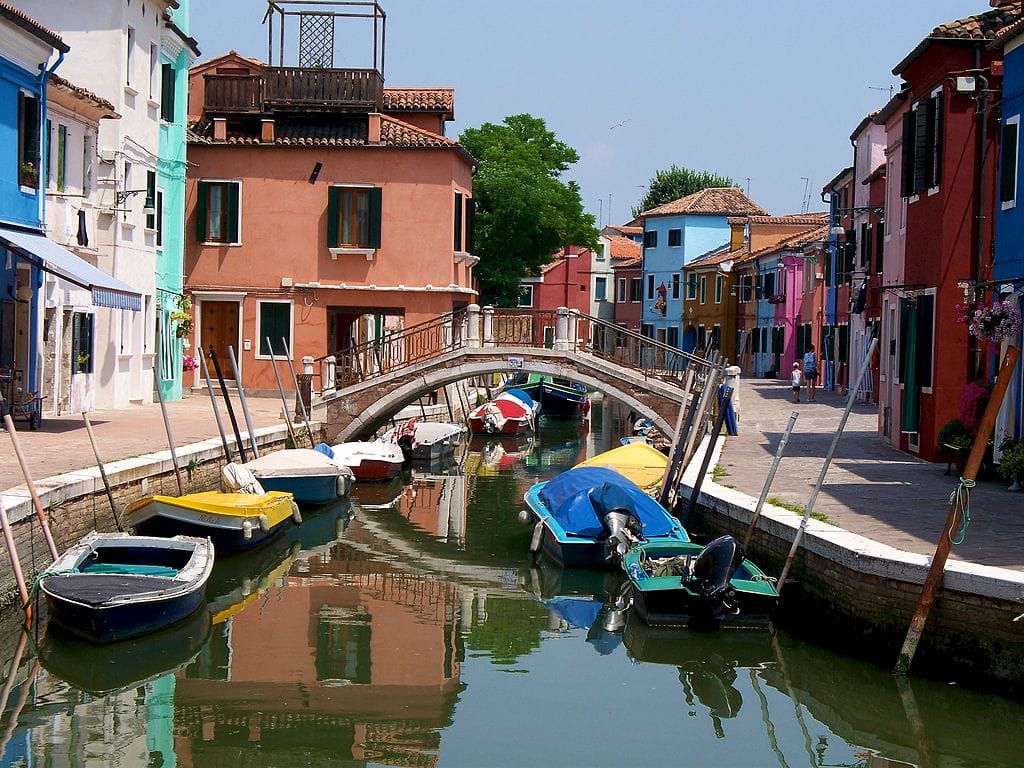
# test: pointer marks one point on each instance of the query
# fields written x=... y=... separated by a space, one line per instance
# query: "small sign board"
x=515 y=363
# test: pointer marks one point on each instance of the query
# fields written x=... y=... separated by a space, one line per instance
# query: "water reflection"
x=412 y=628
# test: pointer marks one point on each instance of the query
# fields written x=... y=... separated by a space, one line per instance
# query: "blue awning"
x=107 y=291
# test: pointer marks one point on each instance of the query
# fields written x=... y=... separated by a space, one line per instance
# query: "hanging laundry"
x=83 y=233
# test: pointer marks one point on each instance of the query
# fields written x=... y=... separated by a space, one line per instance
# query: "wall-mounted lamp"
x=725 y=266
x=124 y=194
x=24 y=294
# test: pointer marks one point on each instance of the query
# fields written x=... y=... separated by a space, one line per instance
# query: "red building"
x=628 y=268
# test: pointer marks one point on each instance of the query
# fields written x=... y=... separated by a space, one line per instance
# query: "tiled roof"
x=623 y=247
x=82 y=93
x=33 y=27
x=714 y=257
x=980 y=27
x=622 y=229
x=629 y=263
x=798 y=240
x=420 y=100
x=1008 y=32
x=713 y=201
x=398 y=133
x=792 y=218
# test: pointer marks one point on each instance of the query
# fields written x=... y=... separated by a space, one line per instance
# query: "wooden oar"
x=12 y=552
x=953 y=519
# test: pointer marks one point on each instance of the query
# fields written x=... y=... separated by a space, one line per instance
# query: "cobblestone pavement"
x=870 y=489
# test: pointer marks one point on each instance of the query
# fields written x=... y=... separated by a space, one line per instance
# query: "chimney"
x=373 y=132
x=220 y=129
x=267 y=131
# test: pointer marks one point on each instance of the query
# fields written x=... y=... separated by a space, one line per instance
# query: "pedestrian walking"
x=810 y=372
x=796 y=380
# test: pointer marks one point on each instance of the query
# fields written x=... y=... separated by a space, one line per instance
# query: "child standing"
x=796 y=380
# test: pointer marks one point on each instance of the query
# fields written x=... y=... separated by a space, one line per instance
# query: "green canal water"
x=411 y=628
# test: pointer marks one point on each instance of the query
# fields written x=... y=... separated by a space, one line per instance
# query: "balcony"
x=285 y=89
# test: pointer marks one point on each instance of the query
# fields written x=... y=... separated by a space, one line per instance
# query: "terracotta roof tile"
x=33 y=27
x=629 y=263
x=623 y=247
x=623 y=229
x=714 y=201
x=798 y=240
x=980 y=27
x=420 y=100
x=792 y=218
x=398 y=133
x=82 y=93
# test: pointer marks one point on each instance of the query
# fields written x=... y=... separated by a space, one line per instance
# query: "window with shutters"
x=167 y=82
x=691 y=286
x=353 y=220
x=600 y=288
x=675 y=238
x=719 y=288
x=1008 y=163
x=650 y=287
x=525 y=295
x=273 y=326
x=218 y=212
x=703 y=289
x=28 y=140
x=150 y=204
x=457 y=242
x=650 y=239
x=922 y=146
x=635 y=290
x=81 y=342
x=676 y=286
x=620 y=293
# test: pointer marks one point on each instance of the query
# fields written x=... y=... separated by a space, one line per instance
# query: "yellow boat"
x=639 y=462
x=232 y=521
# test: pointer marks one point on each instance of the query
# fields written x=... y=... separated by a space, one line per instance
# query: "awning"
x=107 y=291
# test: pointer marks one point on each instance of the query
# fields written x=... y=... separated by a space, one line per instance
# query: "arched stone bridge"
x=376 y=379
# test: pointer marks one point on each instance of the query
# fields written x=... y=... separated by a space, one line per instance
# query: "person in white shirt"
x=796 y=379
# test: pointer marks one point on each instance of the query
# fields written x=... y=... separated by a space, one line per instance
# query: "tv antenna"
x=805 y=201
x=888 y=88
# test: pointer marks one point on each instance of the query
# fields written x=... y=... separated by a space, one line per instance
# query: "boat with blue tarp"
x=590 y=516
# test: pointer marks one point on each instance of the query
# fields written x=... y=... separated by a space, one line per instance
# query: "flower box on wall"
x=777 y=298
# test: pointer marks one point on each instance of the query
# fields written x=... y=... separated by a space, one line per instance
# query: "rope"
x=960 y=498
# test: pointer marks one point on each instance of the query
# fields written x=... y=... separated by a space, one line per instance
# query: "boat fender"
x=343 y=485
x=525 y=517
x=263 y=582
x=264 y=524
x=296 y=515
x=246 y=586
x=246 y=529
x=538 y=537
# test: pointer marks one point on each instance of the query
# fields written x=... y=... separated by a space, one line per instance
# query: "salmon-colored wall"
x=428 y=121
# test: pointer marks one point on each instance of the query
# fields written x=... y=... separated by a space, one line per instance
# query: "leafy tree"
x=677 y=182
x=524 y=211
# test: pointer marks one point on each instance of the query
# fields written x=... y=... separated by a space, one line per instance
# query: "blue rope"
x=960 y=497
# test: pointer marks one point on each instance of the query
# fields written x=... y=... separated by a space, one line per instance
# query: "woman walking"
x=810 y=372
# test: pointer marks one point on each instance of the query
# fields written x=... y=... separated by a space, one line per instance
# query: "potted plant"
x=954 y=436
x=182 y=319
x=29 y=176
x=1011 y=462
x=996 y=322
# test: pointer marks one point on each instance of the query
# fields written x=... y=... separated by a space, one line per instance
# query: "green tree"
x=524 y=211
x=677 y=182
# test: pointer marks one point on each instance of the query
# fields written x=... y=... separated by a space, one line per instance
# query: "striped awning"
x=106 y=290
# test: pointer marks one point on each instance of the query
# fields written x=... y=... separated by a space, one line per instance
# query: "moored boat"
x=639 y=462
x=686 y=584
x=425 y=440
x=512 y=412
x=561 y=397
x=115 y=586
x=308 y=475
x=371 y=460
x=233 y=521
x=590 y=516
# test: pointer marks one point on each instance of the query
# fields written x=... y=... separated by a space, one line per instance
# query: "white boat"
x=425 y=440
x=309 y=475
x=370 y=460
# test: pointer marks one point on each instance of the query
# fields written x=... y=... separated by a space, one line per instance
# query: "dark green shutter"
x=470 y=223
x=201 y=195
x=937 y=139
x=333 y=202
x=457 y=241
x=1008 y=166
x=232 y=203
x=375 y=210
x=167 y=93
x=907 y=178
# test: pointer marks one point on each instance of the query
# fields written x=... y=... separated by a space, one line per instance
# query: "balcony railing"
x=330 y=90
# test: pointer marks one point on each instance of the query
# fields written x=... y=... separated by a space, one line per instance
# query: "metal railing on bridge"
x=562 y=329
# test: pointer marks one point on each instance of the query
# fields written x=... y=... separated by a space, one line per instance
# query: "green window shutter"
x=470 y=223
x=232 y=211
x=167 y=92
x=62 y=154
x=458 y=222
x=375 y=210
x=333 y=201
x=201 y=195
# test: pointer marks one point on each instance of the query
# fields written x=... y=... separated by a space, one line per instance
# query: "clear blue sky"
x=765 y=90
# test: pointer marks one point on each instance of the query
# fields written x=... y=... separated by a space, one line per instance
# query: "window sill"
x=127 y=225
x=28 y=190
x=213 y=244
x=152 y=104
x=467 y=258
x=369 y=253
x=129 y=91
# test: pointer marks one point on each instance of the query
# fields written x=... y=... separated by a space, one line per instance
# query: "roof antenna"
x=805 y=202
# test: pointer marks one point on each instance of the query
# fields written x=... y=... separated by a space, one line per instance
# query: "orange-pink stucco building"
x=323 y=210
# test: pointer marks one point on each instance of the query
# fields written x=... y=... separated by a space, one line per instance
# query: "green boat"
x=681 y=583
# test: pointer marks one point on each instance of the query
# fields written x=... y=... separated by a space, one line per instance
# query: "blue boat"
x=590 y=517
x=307 y=474
x=561 y=397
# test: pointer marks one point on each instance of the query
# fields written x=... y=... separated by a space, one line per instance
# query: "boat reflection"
x=489 y=456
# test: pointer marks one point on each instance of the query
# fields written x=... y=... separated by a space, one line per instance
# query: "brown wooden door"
x=220 y=330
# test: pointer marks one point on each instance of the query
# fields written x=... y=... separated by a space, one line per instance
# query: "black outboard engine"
x=621 y=527
x=713 y=569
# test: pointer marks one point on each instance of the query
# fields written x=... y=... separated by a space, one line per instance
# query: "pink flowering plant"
x=991 y=323
x=189 y=363
x=972 y=402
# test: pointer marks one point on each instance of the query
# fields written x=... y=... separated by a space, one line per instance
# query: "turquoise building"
x=177 y=53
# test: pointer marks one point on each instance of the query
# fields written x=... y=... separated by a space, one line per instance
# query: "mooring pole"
x=40 y=512
x=953 y=519
x=668 y=482
x=770 y=479
x=850 y=397
x=706 y=397
x=227 y=401
x=298 y=395
x=12 y=552
x=167 y=427
x=213 y=402
x=103 y=471
x=284 y=400
x=244 y=402
x=716 y=430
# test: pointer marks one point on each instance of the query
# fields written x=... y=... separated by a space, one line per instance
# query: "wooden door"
x=220 y=331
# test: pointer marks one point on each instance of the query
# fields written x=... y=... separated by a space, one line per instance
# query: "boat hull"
x=308 y=489
x=375 y=470
x=664 y=600
x=229 y=530
x=557 y=401
x=510 y=428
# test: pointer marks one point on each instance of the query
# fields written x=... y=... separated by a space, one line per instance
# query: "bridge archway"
x=366 y=407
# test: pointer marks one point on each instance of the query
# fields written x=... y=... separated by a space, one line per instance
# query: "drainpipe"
x=982 y=112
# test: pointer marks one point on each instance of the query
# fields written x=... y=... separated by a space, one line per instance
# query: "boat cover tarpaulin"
x=520 y=395
x=107 y=291
x=579 y=499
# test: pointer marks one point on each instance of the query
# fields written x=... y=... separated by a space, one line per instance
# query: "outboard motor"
x=713 y=569
x=623 y=530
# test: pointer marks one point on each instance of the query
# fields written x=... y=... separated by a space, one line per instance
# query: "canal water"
x=410 y=627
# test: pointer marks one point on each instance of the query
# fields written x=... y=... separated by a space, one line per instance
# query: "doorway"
x=219 y=324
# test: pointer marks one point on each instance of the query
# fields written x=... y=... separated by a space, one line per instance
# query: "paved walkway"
x=61 y=444
x=870 y=489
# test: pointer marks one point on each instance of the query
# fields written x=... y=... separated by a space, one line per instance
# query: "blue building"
x=29 y=55
x=1008 y=262
x=676 y=234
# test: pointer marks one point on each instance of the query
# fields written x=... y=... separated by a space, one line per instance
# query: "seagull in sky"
x=619 y=124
